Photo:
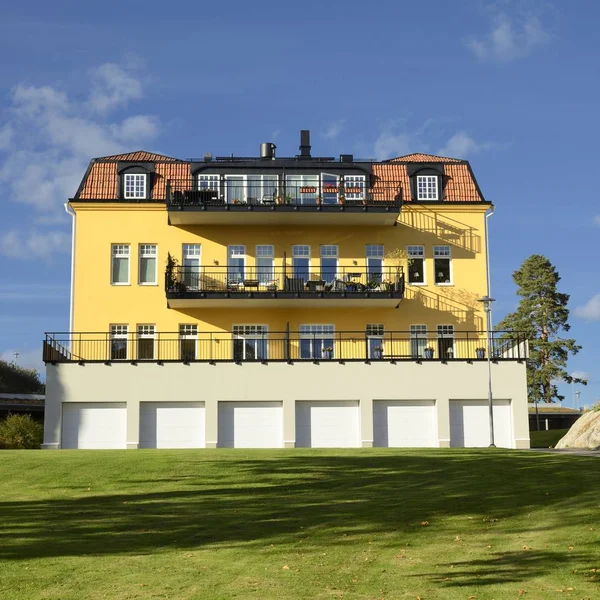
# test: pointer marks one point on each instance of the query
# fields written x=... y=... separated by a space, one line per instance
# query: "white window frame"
x=242 y=178
x=190 y=253
x=296 y=254
x=427 y=191
x=375 y=331
x=315 y=331
x=438 y=254
x=145 y=252
x=188 y=331
x=135 y=191
x=210 y=182
x=236 y=251
x=119 y=331
x=118 y=251
x=412 y=254
x=418 y=331
x=355 y=181
x=251 y=331
x=375 y=252
x=329 y=251
x=266 y=251
x=146 y=332
x=445 y=332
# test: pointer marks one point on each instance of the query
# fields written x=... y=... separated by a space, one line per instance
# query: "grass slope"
x=434 y=524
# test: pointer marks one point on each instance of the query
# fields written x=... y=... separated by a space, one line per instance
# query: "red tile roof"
x=101 y=181
x=420 y=157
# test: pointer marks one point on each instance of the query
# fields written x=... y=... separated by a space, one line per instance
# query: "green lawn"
x=546 y=439
x=362 y=524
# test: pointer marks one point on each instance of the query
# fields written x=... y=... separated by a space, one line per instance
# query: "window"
x=418 y=340
x=427 y=187
x=302 y=189
x=416 y=264
x=135 y=186
x=188 y=336
x=147 y=267
x=375 y=339
x=190 y=274
x=329 y=188
x=265 y=272
x=120 y=264
x=374 y=264
x=301 y=262
x=329 y=261
x=354 y=187
x=442 y=265
x=145 y=342
x=208 y=182
x=445 y=341
x=236 y=260
x=250 y=342
x=253 y=189
x=118 y=342
x=316 y=341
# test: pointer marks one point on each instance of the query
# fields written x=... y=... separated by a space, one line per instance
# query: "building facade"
x=280 y=302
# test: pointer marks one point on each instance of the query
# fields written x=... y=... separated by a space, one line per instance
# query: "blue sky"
x=511 y=86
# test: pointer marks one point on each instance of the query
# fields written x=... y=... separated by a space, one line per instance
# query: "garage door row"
x=319 y=424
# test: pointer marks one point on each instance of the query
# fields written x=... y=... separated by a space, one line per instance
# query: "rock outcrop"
x=585 y=432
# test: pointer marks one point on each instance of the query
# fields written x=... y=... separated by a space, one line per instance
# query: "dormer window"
x=135 y=186
x=427 y=187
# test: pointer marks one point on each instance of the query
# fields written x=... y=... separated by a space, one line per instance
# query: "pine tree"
x=542 y=315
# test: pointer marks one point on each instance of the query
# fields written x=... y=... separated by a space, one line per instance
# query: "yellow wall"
x=97 y=303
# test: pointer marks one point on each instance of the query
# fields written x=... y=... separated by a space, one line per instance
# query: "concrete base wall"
x=286 y=383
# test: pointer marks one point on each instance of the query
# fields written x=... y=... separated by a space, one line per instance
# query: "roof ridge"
x=134 y=152
x=425 y=154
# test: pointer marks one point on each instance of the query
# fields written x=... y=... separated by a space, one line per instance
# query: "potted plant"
x=378 y=352
x=328 y=352
x=480 y=353
x=428 y=352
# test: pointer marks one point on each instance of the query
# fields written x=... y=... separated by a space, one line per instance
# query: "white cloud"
x=390 y=144
x=509 y=38
x=597 y=220
x=590 y=310
x=50 y=136
x=334 y=129
x=34 y=292
x=35 y=244
x=582 y=375
x=112 y=87
x=461 y=145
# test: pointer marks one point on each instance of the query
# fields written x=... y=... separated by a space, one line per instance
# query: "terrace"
x=206 y=286
x=257 y=344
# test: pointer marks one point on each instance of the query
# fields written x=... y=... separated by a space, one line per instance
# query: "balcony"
x=289 y=346
x=268 y=202
x=260 y=287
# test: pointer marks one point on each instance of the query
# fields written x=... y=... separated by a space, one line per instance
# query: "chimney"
x=304 y=144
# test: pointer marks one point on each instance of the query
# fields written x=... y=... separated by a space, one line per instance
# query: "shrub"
x=21 y=432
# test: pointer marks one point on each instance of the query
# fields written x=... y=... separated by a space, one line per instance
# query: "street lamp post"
x=487 y=307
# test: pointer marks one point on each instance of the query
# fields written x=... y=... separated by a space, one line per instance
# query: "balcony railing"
x=292 y=280
x=290 y=346
x=277 y=195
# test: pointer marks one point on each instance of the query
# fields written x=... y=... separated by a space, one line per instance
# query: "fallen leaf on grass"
x=424 y=523
x=285 y=568
x=526 y=547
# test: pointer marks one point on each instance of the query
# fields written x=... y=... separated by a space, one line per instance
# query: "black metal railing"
x=293 y=279
x=321 y=345
x=277 y=192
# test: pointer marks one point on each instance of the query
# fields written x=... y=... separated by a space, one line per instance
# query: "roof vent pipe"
x=304 y=143
x=267 y=150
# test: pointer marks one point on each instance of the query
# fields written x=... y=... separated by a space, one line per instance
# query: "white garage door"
x=327 y=424
x=94 y=425
x=469 y=424
x=250 y=425
x=404 y=423
x=172 y=425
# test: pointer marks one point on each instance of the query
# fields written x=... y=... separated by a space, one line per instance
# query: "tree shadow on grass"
x=194 y=500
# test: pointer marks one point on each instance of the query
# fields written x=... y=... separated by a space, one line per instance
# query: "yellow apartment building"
x=273 y=301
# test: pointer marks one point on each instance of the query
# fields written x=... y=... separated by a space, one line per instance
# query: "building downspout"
x=70 y=211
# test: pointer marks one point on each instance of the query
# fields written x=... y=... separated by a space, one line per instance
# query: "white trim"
x=123 y=335
x=258 y=274
x=428 y=179
x=447 y=257
x=309 y=257
x=263 y=336
x=140 y=256
x=112 y=255
x=422 y=258
x=69 y=210
x=135 y=195
x=140 y=335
